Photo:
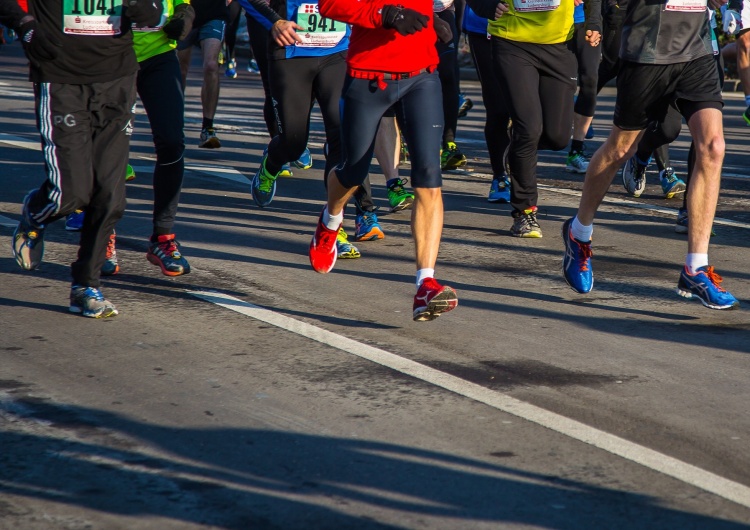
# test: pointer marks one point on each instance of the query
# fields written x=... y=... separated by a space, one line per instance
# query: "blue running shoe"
x=590 y=133
x=28 y=239
x=499 y=190
x=305 y=160
x=367 y=227
x=671 y=185
x=231 y=71
x=286 y=171
x=576 y=263
x=344 y=249
x=90 y=302
x=263 y=186
x=110 y=267
x=253 y=67
x=705 y=285
x=74 y=222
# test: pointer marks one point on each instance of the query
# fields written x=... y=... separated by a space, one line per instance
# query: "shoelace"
x=586 y=253
x=111 y=247
x=169 y=247
x=714 y=278
x=369 y=219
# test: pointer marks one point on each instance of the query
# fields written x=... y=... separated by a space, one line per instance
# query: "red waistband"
x=382 y=76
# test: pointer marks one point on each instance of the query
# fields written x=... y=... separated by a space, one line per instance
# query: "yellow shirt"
x=526 y=21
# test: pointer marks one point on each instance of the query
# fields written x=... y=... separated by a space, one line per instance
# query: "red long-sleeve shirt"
x=383 y=50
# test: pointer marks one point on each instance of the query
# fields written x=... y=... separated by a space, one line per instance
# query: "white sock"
x=423 y=274
x=693 y=262
x=747 y=100
x=332 y=222
x=580 y=231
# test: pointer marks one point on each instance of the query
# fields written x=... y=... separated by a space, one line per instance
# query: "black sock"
x=576 y=146
x=208 y=123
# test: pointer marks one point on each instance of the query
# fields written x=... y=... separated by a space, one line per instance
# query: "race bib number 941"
x=92 y=17
x=318 y=31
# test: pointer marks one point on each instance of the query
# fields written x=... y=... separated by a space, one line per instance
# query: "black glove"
x=181 y=22
x=144 y=13
x=36 y=44
x=404 y=20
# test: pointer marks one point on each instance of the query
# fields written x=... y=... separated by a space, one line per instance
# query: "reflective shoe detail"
x=451 y=157
x=323 y=247
x=344 y=249
x=90 y=302
x=670 y=184
x=129 y=173
x=634 y=177
x=746 y=116
x=432 y=300
x=464 y=105
x=499 y=190
x=576 y=264
x=286 y=171
x=576 y=162
x=590 y=133
x=367 y=227
x=252 y=67
x=28 y=239
x=525 y=224
x=305 y=160
x=231 y=71
x=705 y=285
x=263 y=187
x=74 y=221
x=398 y=198
x=209 y=139
x=110 y=266
x=165 y=253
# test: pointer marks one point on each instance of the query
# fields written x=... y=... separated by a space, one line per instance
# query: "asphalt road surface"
x=254 y=393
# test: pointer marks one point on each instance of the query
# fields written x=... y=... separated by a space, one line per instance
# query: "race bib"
x=686 y=5
x=92 y=17
x=318 y=31
x=535 y=5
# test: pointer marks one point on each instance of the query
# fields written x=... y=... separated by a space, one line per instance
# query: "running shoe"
x=451 y=157
x=432 y=300
x=129 y=173
x=28 y=238
x=286 y=171
x=74 y=221
x=209 y=139
x=464 y=105
x=576 y=264
x=525 y=224
x=323 y=247
x=263 y=187
x=746 y=116
x=344 y=249
x=89 y=302
x=634 y=177
x=499 y=190
x=305 y=160
x=590 y=133
x=681 y=226
x=705 y=285
x=252 y=67
x=111 y=267
x=670 y=184
x=398 y=198
x=165 y=253
x=576 y=162
x=367 y=227
x=231 y=71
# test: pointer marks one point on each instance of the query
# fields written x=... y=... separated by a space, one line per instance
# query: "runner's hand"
x=181 y=22
x=593 y=37
x=285 y=34
x=404 y=20
x=37 y=45
x=144 y=13
x=501 y=9
x=443 y=29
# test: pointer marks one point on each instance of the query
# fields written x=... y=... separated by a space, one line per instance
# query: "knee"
x=169 y=151
x=526 y=135
x=712 y=150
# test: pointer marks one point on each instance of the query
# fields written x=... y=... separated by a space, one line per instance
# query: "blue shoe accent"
x=305 y=160
x=74 y=222
x=263 y=187
x=28 y=238
x=590 y=133
x=367 y=227
x=705 y=285
x=576 y=265
x=499 y=190
x=231 y=71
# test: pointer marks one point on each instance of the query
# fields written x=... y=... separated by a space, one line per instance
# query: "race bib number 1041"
x=92 y=17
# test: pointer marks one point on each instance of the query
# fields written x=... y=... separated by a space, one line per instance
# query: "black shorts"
x=645 y=91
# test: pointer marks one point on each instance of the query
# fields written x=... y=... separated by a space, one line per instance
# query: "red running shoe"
x=323 y=248
x=432 y=299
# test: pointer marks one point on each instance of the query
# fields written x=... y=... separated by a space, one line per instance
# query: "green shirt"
x=152 y=41
x=535 y=21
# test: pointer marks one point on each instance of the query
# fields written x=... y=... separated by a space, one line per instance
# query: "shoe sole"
x=369 y=237
x=23 y=255
x=689 y=296
x=301 y=166
x=677 y=190
x=106 y=313
x=348 y=255
x=156 y=261
x=403 y=205
x=454 y=165
x=441 y=303
x=107 y=272
x=211 y=143
x=575 y=170
x=528 y=235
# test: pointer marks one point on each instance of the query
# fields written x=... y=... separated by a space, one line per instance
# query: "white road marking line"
x=644 y=456
x=8 y=222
